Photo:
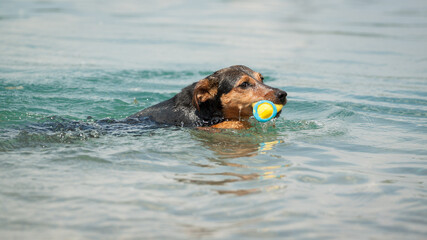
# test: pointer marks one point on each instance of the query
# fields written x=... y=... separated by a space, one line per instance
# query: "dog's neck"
x=210 y=112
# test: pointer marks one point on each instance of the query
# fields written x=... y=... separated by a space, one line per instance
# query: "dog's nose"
x=281 y=95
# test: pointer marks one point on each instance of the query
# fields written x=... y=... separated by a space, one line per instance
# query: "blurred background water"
x=346 y=160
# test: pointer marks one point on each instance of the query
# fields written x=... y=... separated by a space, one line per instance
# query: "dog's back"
x=178 y=111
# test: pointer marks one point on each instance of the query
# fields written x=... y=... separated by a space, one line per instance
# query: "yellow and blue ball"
x=265 y=110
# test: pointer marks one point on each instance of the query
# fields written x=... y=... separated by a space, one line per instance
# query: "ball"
x=265 y=110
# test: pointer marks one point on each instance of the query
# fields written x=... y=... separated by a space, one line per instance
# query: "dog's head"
x=230 y=92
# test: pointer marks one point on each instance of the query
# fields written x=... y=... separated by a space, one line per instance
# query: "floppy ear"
x=204 y=90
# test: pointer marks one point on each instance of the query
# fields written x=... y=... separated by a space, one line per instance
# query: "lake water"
x=347 y=159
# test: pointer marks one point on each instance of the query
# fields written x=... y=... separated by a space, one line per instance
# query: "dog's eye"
x=245 y=85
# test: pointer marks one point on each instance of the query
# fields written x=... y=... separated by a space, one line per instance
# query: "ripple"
x=300 y=125
x=85 y=158
x=420 y=171
x=394 y=100
x=56 y=129
x=383 y=110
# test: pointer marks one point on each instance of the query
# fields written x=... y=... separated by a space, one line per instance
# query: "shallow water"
x=346 y=160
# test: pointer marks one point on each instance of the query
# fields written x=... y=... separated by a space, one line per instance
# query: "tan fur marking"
x=232 y=125
x=237 y=104
x=245 y=78
x=258 y=76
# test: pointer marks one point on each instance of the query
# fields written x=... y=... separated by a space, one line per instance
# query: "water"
x=346 y=160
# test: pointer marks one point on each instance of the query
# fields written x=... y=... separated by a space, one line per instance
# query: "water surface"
x=346 y=160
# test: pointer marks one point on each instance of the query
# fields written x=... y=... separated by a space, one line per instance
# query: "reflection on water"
x=267 y=146
x=228 y=145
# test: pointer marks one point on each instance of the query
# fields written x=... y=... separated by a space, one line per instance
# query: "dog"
x=221 y=100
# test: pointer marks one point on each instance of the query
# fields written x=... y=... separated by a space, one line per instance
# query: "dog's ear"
x=204 y=90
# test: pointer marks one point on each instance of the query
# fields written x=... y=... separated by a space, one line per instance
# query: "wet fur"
x=219 y=100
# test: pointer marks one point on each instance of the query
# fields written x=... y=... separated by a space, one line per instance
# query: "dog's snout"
x=281 y=95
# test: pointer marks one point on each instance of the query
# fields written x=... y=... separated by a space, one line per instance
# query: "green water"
x=346 y=159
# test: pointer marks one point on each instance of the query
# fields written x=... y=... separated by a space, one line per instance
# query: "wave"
x=57 y=129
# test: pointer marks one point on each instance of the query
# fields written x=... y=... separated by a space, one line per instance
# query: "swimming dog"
x=221 y=100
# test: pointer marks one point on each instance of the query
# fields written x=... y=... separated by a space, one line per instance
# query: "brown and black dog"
x=221 y=100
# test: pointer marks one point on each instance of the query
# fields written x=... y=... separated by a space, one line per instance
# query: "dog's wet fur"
x=221 y=100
